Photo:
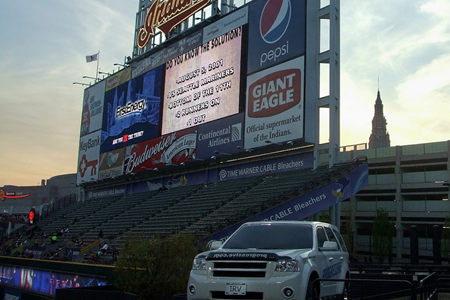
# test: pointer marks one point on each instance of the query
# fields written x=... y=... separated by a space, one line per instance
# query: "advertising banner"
x=308 y=204
x=225 y=24
x=222 y=136
x=148 y=185
x=148 y=64
x=92 y=114
x=44 y=282
x=182 y=46
x=4 y=194
x=111 y=164
x=170 y=182
x=10 y=294
x=280 y=164
x=131 y=111
x=88 y=155
x=106 y=192
x=170 y=149
x=203 y=84
x=117 y=79
x=184 y=180
x=277 y=32
x=275 y=104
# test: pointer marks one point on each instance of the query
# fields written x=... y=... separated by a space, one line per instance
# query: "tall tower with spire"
x=380 y=136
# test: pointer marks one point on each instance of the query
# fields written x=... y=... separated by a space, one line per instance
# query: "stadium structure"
x=214 y=120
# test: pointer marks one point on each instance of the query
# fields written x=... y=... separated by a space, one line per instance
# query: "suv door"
x=336 y=264
x=324 y=263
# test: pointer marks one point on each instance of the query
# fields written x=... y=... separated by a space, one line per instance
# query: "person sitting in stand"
x=104 y=248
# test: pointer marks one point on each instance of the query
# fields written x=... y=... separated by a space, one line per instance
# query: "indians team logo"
x=275 y=19
x=12 y=195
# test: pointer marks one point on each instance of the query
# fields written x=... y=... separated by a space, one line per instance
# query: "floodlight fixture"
x=221 y=153
x=81 y=83
x=150 y=169
x=274 y=143
x=246 y=150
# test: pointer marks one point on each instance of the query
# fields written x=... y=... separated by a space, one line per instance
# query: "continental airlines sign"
x=165 y=15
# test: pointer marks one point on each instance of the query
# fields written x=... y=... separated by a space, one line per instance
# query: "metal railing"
x=430 y=287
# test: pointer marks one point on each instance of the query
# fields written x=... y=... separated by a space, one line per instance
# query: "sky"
x=401 y=48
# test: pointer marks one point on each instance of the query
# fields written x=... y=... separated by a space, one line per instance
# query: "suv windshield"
x=272 y=236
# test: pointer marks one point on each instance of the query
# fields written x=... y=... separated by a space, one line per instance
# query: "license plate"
x=235 y=289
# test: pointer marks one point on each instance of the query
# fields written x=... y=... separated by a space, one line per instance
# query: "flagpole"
x=98 y=61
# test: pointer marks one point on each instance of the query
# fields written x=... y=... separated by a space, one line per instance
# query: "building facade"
x=406 y=181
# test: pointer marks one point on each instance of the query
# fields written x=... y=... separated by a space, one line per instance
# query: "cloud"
x=45 y=51
x=405 y=44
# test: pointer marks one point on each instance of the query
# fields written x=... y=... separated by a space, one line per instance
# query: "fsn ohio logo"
x=275 y=19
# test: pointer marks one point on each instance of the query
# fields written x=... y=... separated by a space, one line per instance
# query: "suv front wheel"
x=313 y=290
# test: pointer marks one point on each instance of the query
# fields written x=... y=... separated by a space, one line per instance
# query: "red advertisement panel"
x=170 y=149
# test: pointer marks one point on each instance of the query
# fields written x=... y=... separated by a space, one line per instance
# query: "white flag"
x=93 y=57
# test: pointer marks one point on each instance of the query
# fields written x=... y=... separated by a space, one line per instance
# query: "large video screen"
x=203 y=84
x=131 y=111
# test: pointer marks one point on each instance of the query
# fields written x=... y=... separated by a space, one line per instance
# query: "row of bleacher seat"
x=196 y=209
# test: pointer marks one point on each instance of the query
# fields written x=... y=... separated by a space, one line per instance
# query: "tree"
x=347 y=233
x=155 y=268
x=382 y=234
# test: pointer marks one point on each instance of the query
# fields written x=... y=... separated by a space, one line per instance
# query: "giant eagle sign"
x=167 y=14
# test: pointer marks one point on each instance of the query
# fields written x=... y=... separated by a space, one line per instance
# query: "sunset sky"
x=401 y=47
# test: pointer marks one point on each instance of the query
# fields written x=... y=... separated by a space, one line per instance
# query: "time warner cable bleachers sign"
x=300 y=161
x=306 y=205
x=244 y=73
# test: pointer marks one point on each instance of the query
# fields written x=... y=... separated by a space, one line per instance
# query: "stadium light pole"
x=89 y=77
x=121 y=65
x=81 y=83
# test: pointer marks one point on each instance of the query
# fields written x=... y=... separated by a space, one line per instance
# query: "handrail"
x=428 y=287
x=412 y=288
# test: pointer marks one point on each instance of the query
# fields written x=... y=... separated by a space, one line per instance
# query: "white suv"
x=273 y=260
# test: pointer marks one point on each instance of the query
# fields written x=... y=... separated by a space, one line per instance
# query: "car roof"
x=315 y=223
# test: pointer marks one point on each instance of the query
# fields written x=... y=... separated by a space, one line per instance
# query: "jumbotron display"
x=202 y=85
x=226 y=85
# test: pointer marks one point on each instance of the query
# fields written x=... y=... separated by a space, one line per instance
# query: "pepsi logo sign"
x=275 y=19
x=274 y=93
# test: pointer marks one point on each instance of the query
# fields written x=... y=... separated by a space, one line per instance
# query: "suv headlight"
x=199 y=263
x=288 y=265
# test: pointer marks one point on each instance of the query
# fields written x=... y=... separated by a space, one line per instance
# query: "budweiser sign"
x=165 y=15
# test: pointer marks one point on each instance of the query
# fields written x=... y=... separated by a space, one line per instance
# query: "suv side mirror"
x=329 y=246
x=215 y=245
